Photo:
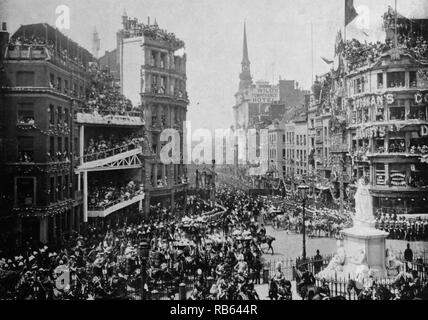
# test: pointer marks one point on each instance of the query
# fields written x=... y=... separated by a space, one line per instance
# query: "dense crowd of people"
x=104 y=98
x=106 y=146
x=103 y=264
x=37 y=42
x=152 y=31
x=101 y=195
x=359 y=54
x=215 y=250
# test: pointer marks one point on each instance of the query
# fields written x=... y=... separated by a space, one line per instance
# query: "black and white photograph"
x=216 y=151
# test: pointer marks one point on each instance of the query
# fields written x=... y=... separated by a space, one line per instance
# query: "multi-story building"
x=277 y=149
x=290 y=152
x=296 y=150
x=43 y=76
x=386 y=107
x=153 y=73
x=301 y=146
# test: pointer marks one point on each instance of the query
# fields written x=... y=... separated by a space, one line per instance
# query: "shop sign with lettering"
x=421 y=97
x=373 y=101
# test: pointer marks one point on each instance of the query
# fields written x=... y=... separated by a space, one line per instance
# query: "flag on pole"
x=327 y=60
x=350 y=12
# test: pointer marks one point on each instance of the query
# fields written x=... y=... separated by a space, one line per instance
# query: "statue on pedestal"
x=363 y=207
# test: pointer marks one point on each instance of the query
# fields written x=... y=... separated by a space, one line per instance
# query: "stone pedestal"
x=372 y=241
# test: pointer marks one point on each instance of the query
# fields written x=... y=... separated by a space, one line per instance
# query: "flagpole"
x=344 y=23
x=396 y=22
x=312 y=52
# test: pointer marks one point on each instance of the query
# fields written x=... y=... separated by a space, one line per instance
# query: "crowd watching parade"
x=104 y=97
x=37 y=42
x=107 y=146
x=359 y=55
x=217 y=251
x=102 y=195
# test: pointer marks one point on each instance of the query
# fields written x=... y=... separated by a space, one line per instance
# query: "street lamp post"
x=303 y=190
x=144 y=252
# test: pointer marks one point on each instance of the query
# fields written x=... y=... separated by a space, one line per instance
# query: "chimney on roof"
x=3 y=26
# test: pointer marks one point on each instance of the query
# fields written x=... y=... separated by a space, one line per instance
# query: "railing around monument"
x=338 y=285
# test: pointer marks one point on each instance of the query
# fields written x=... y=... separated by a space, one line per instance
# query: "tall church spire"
x=245 y=76
x=245 y=59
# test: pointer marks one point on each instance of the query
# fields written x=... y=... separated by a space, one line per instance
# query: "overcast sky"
x=279 y=37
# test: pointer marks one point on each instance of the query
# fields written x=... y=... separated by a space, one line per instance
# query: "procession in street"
x=116 y=184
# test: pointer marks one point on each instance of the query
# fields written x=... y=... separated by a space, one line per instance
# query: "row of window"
x=396 y=111
x=159 y=59
x=60 y=188
x=288 y=171
x=27 y=79
x=59 y=149
x=58 y=115
x=62 y=85
x=395 y=79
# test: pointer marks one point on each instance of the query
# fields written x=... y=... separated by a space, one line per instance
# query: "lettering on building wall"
x=264 y=94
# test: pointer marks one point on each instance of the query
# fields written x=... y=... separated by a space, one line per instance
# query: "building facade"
x=41 y=80
x=153 y=74
x=384 y=109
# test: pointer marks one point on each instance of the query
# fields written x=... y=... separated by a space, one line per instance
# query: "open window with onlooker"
x=397 y=111
x=26 y=117
x=379 y=146
x=396 y=79
x=413 y=80
x=25 y=191
x=380 y=81
x=51 y=115
x=26 y=149
x=417 y=112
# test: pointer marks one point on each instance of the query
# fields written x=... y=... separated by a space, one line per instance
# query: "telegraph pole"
x=342 y=165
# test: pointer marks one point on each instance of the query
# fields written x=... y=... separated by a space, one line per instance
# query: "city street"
x=149 y=148
x=289 y=245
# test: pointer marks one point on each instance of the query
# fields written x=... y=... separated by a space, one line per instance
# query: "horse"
x=266 y=240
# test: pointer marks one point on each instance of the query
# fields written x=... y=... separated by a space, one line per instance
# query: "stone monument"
x=363 y=247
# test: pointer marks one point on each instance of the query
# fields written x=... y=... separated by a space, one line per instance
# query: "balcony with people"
x=107 y=198
x=161 y=87
x=103 y=147
x=397 y=146
x=108 y=148
x=151 y=32
x=36 y=48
